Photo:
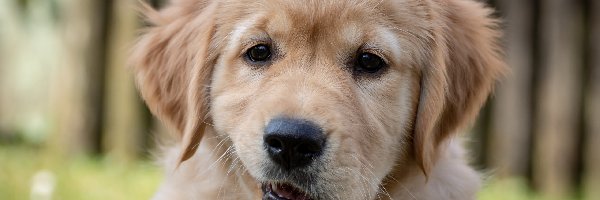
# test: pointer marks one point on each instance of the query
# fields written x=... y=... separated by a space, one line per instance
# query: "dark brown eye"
x=369 y=63
x=259 y=53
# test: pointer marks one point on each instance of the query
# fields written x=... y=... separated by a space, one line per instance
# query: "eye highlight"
x=259 y=53
x=369 y=63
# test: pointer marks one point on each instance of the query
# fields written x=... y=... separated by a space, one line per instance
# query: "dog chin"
x=292 y=185
x=283 y=191
x=296 y=184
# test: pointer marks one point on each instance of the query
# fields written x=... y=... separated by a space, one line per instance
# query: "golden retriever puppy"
x=318 y=99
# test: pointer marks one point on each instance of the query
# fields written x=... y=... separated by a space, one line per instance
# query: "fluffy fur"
x=390 y=136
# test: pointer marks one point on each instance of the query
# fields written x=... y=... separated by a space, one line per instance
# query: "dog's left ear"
x=465 y=65
x=172 y=67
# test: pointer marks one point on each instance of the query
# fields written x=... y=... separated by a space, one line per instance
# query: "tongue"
x=288 y=192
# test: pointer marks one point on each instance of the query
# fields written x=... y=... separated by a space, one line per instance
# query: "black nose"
x=293 y=143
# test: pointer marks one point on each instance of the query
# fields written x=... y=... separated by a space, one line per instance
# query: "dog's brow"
x=351 y=33
x=240 y=29
x=387 y=41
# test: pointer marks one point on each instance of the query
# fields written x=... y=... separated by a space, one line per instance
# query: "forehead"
x=310 y=16
x=325 y=23
x=335 y=21
x=303 y=15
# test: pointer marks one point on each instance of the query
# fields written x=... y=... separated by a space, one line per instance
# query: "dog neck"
x=451 y=178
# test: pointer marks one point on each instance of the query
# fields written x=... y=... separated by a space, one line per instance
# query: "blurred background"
x=73 y=127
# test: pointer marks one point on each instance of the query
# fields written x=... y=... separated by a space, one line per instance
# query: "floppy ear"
x=466 y=63
x=171 y=65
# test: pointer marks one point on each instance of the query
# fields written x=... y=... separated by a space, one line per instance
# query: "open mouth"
x=272 y=191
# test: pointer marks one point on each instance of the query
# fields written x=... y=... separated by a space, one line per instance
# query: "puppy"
x=318 y=99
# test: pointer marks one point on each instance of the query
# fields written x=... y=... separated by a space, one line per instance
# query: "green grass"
x=510 y=189
x=514 y=189
x=82 y=178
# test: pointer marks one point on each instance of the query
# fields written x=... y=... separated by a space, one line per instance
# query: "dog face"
x=319 y=99
x=309 y=98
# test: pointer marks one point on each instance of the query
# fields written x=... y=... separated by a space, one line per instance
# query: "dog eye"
x=369 y=63
x=259 y=53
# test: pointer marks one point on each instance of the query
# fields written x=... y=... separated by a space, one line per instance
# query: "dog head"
x=320 y=99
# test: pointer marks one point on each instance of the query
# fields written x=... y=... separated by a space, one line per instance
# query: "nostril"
x=275 y=143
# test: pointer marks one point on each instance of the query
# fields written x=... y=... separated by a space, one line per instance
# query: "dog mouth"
x=282 y=191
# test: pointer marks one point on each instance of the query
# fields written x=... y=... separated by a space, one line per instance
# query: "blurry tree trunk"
x=96 y=74
x=78 y=92
x=8 y=29
x=124 y=127
x=592 y=153
x=4 y=13
x=559 y=97
x=510 y=134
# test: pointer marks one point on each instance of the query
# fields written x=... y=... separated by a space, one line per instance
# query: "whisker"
x=225 y=154
x=232 y=166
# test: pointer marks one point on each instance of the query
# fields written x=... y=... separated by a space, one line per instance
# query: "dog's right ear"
x=171 y=65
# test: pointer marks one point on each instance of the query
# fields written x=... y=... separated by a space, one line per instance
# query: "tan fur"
x=389 y=136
